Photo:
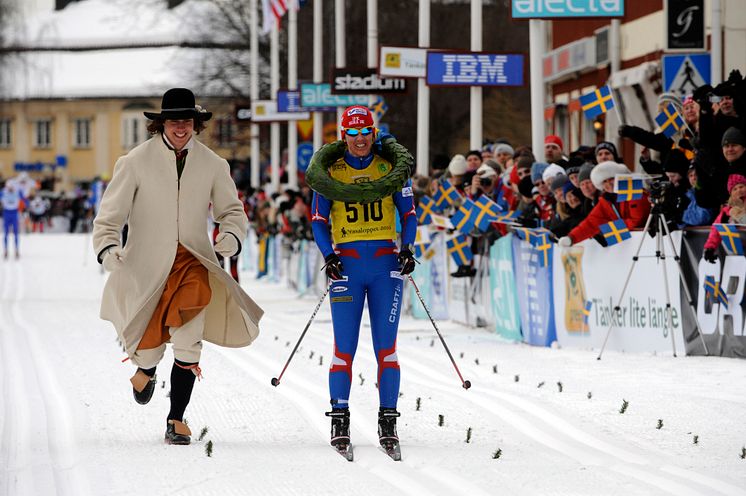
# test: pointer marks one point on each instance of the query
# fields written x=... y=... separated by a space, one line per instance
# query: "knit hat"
x=485 y=171
x=734 y=179
x=573 y=169
x=571 y=188
x=585 y=172
x=733 y=136
x=556 y=140
x=526 y=187
x=676 y=162
x=503 y=148
x=551 y=172
x=357 y=116
x=457 y=167
x=559 y=181
x=537 y=170
x=606 y=170
x=607 y=145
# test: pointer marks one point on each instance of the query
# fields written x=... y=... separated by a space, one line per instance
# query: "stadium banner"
x=534 y=290
x=503 y=290
x=589 y=280
x=722 y=324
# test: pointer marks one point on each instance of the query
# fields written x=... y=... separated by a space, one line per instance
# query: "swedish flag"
x=628 y=188
x=460 y=249
x=713 y=290
x=379 y=108
x=730 y=238
x=529 y=235
x=445 y=195
x=510 y=217
x=587 y=311
x=463 y=219
x=615 y=232
x=669 y=120
x=597 y=103
x=485 y=211
x=425 y=211
x=545 y=247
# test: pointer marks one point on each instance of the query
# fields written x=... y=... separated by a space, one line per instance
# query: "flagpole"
x=292 y=166
x=423 y=96
x=339 y=45
x=616 y=108
x=254 y=94
x=318 y=50
x=274 y=86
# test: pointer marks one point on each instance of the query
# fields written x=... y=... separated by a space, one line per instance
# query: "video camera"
x=657 y=188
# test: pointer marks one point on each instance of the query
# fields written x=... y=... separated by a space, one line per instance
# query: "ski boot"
x=340 y=435
x=143 y=386
x=387 y=432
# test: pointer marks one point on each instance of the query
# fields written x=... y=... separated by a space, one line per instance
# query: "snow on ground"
x=69 y=425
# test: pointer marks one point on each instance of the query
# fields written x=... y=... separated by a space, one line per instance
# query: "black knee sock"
x=148 y=372
x=182 y=383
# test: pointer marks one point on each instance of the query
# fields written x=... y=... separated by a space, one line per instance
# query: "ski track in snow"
x=69 y=426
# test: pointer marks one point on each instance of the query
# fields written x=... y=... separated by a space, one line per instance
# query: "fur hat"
x=503 y=148
x=606 y=170
x=555 y=140
x=492 y=163
x=551 y=172
x=585 y=172
x=526 y=187
x=537 y=171
x=485 y=170
x=457 y=167
x=734 y=179
x=733 y=136
x=178 y=103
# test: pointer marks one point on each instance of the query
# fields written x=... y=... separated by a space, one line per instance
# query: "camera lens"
x=485 y=181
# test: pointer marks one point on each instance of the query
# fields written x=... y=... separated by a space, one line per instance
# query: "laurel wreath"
x=318 y=178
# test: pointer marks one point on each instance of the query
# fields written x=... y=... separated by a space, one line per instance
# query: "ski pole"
x=276 y=380
x=464 y=384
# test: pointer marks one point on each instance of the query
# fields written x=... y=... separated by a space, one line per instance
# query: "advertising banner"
x=721 y=319
x=475 y=69
x=685 y=23
x=289 y=101
x=402 y=62
x=594 y=276
x=320 y=95
x=551 y=9
x=504 y=295
x=364 y=82
x=421 y=277
x=266 y=111
x=534 y=290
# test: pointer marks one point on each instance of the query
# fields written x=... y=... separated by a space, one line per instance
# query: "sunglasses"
x=354 y=132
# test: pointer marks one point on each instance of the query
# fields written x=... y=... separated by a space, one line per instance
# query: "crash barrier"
x=568 y=297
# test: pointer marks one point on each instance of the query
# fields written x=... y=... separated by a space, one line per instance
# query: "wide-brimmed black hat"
x=178 y=103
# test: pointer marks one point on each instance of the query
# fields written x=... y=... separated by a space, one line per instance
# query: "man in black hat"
x=166 y=285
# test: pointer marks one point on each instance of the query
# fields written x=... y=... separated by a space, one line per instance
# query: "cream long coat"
x=163 y=211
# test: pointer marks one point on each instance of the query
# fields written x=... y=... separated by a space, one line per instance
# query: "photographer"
x=634 y=213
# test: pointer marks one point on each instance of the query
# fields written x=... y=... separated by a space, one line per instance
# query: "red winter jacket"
x=634 y=213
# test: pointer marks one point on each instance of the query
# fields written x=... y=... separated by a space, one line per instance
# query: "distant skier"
x=12 y=200
x=364 y=263
x=166 y=284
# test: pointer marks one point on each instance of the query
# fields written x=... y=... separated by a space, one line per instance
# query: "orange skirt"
x=186 y=293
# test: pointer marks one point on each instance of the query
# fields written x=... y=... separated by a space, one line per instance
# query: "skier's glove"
x=406 y=261
x=710 y=255
x=226 y=245
x=333 y=267
x=113 y=259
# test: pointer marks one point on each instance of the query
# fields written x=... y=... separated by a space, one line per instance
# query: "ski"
x=393 y=450
x=345 y=450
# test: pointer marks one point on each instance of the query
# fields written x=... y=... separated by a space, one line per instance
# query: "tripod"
x=657 y=218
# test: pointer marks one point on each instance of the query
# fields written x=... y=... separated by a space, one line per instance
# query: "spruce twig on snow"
x=417 y=405
x=203 y=433
x=743 y=453
x=432 y=342
x=277 y=337
x=441 y=419
x=311 y=355
x=468 y=435
x=476 y=360
x=590 y=395
x=163 y=385
x=625 y=404
x=541 y=384
x=321 y=359
x=696 y=439
x=517 y=378
x=462 y=355
x=208 y=449
x=494 y=369
x=660 y=424
x=559 y=386
x=362 y=379
x=497 y=454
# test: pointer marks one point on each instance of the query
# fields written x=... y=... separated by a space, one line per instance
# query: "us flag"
x=275 y=9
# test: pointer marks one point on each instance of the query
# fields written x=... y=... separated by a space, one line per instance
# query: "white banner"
x=590 y=272
x=266 y=111
x=402 y=62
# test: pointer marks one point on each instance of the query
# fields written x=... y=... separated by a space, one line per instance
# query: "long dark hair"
x=156 y=126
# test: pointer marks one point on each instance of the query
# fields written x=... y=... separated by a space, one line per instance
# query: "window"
x=5 y=136
x=134 y=129
x=43 y=133
x=225 y=132
x=82 y=133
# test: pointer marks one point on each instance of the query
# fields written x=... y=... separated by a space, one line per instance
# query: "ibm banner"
x=474 y=69
x=588 y=283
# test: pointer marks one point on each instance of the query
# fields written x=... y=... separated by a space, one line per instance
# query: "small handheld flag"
x=715 y=291
x=486 y=212
x=460 y=250
x=587 y=311
x=730 y=238
x=463 y=220
x=510 y=217
x=545 y=247
x=615 y=232
x=425 y=211
x=445 y=195
x=669 y=120
x=628 y=188
x=597 y=102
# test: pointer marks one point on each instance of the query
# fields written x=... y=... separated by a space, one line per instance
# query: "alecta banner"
x=589 y=280
x=534 y=289
x=474 y=69
x=548 y=9
x=320 y=95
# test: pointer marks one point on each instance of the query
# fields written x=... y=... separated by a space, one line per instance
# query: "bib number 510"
x=371 y=211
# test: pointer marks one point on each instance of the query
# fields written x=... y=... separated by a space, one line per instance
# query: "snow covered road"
x=69 y=425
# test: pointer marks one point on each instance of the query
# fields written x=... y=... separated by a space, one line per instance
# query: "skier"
x=166 y=284
x=364 y=261
x=12 y=200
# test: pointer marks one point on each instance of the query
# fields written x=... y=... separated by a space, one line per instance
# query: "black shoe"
x=142 y=386
x=464 y=271
x=177 y=433
x=340 y=426
x=387 y=427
